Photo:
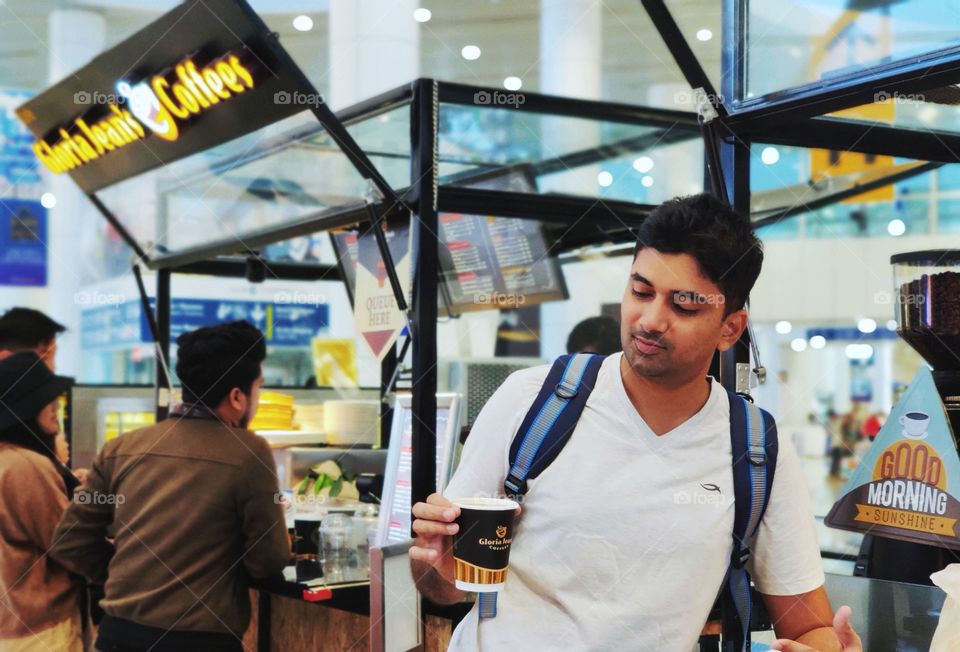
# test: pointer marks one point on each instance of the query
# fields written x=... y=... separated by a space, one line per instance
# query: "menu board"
x=496 y=262
x=485 y=262
x=394 y=525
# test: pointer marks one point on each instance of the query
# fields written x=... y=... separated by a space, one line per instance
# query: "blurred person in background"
x=595 y=335
x=193 y=501
x=39 y=600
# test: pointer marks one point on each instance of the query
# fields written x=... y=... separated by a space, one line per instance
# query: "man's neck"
x=664 y=406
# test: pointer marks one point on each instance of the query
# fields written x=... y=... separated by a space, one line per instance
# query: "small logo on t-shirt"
x=711 y=487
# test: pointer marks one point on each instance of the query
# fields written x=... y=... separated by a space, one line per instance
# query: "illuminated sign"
x=160 y=105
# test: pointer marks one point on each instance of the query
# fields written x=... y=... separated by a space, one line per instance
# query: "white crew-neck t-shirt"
x=623 y=542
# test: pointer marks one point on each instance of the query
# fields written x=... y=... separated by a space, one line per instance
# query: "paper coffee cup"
x=481 y=546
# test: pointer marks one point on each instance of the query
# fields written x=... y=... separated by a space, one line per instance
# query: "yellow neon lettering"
x=229 y=76
x=191 y=86
x=215 y=84
x=101 y=136
x=86 y=132
x=186 y=99
x=160 y=86
x=200 y=83
x=242 y=72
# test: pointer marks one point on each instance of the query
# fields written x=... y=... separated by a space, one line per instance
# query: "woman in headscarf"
x=39 y=600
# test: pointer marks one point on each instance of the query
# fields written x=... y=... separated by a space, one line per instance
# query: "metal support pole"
x=424 y=224
x=163 y=343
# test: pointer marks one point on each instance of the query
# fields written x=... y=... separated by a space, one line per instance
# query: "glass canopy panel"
x=702 y=28
x=569 y=155
x=275 y=176
x=791 y=43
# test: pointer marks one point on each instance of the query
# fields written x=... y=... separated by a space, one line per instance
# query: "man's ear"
x=733 y=326
x=236 y=398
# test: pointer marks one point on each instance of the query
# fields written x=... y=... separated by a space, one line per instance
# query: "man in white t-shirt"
x=623 y=541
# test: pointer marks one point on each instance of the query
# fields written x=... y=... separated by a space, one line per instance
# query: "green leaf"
x=336 y=488
x=318 y=485
x=302 y=487
x=327 y=481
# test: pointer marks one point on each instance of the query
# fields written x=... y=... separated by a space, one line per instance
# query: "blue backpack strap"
x=753 y=438
x=546 y=429
x=551 y=419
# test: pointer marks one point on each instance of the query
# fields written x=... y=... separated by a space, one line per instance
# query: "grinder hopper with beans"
x=905 y=492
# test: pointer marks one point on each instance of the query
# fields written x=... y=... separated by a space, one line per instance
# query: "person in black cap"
x=39 y=600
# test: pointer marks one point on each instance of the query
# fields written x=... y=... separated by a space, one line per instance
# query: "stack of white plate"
x=351 y=422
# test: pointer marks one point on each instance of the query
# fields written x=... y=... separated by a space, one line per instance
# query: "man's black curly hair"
x=719 y=238
x=212 y=361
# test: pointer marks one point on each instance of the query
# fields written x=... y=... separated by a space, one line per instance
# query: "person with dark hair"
x=193 y=502
x=26 y=329
x=39 y=600
x=595 y=335
x=626 y=535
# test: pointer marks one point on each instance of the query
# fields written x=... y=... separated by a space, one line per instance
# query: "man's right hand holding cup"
x=435 y=527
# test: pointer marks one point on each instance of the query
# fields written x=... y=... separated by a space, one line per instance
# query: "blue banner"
x=18 y=164
x=283 y=324
x=23 y=242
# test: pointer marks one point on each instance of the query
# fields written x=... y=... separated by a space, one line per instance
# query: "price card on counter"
x=394 y=525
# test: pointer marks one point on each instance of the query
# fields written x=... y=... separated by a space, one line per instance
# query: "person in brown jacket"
x=192 y=502
x=39 y=600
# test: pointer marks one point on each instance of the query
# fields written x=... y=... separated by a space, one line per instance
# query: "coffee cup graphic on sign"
x=915 y=425
x=481 y=547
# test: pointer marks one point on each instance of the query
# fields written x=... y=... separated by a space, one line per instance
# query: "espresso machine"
x=927 y=297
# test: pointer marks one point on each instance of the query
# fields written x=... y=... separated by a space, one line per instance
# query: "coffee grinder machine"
x=927 y=296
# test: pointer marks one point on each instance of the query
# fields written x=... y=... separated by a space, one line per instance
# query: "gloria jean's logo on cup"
x=481 y=547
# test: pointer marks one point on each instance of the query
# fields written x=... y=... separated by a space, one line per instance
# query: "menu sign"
x=394 y=524
x=907 y=486
x=496 y=262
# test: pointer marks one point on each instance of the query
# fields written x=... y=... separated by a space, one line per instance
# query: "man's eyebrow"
x=687 y=294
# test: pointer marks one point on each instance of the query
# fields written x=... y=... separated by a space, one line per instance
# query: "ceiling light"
x=513 y=83
x=798 y=344
x=303 y=23
x=643 y=164
x=704 y=35
x=605 y=178
x=422 y=15
x=818 y=342
x=866 y=325
x=859 y=351
x=770 y=155
x=48 y=200
x=784 y=327
x=470 y=52
x=647 y=181
x=896 y=227
x=892 y=325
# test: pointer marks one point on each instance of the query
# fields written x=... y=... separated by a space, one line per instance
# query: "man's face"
x=672 y=318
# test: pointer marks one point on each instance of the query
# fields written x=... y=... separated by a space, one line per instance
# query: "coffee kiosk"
x=208 y=111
